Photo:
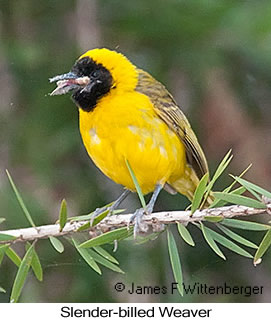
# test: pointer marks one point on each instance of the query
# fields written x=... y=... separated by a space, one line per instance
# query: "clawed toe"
x=139 y=226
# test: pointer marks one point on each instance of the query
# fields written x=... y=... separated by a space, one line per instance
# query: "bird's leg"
x=137 y=216
x=110 y=208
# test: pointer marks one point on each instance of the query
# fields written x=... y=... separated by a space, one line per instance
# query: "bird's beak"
x=68 y=82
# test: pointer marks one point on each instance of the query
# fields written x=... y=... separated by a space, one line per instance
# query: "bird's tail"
x=187 y=185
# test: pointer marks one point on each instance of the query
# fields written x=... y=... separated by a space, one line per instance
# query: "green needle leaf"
x=237 y=191
x=220 y=169
x=13 y=256
x=6 y=237
x=57 y=244
x=20 y=200
x=2 y=254
x=86 y=216
x=245 y=225
x=199 y=193
x=87 y=257
x=208 y=237
x=227 y=189
x=35 y=264
x=252 y=188
x=104 y=261
x=237 y=237
x=218 y=203
x=214 y=219
x=2 y=290
x=138 y=189
x=228 y=243
x=175 y=261
x=3 y=249
x=83 y=227
x=21 y=275
x=100 y=217
x=185 y=234
x=241 y=200
x=63 y=214
x=97 y=219
x=105 y=254
x=264 y=245
x=107 y=237
x=256 y=195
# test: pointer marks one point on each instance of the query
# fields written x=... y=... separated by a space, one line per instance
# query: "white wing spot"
x=163 y=151
x=94 y=137
x=141 y=145
x=133 y=129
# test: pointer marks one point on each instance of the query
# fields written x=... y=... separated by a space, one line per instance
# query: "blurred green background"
x=215 y=58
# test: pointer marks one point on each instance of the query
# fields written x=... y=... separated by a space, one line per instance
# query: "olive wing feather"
x=168 y=110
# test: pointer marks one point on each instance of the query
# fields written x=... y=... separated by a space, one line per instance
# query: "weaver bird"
x=126 y=115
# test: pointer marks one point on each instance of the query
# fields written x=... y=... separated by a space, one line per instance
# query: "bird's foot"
x=109 y=209
x=139 y=225
x=136 y=218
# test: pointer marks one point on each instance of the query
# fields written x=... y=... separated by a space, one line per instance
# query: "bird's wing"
x=167 y=109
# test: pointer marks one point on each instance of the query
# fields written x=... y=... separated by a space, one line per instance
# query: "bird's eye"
x=95 y=74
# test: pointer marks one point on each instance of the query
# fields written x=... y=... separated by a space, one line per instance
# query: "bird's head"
x=95 y=74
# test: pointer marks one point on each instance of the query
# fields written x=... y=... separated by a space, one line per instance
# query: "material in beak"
x=67 y=82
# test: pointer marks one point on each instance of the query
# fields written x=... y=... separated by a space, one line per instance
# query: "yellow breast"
x=124 y=126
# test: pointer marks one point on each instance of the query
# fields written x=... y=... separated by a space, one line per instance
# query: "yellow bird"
x=126 y=115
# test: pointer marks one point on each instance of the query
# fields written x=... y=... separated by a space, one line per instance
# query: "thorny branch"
x=155 y=220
